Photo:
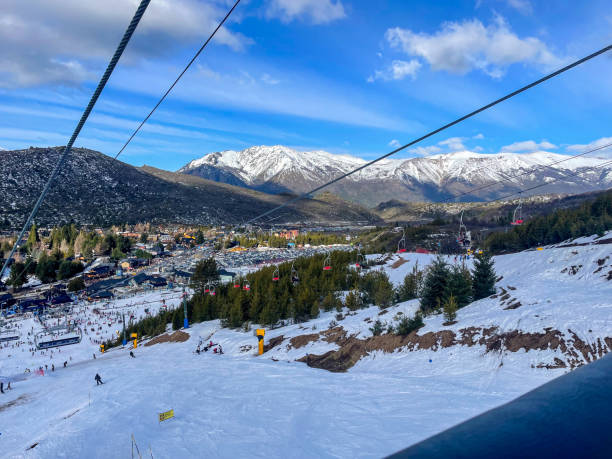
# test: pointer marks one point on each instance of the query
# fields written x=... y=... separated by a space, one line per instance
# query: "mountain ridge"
x=275 y=169
x=92 y=188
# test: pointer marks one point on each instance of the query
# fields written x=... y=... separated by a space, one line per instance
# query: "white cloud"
x=395 y=143
x=528 y=146
x=68 y=42
x=460 y=47
x=454 y=143
x=478 y=136
x=604 y=152
x=314 y=11
x=398 y=70
x=522 y=6
x=266 y=78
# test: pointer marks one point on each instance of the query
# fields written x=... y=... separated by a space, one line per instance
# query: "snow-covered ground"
x=241 y=405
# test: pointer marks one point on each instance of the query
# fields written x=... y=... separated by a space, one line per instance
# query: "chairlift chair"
x=464 y=237
x=246 y=286
x=212 y=291
x=276 y=275
x=401 y=245
x=360 y=260
x=327 y=263
x=517 y=216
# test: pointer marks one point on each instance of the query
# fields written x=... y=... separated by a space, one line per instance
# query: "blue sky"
x=346 y=76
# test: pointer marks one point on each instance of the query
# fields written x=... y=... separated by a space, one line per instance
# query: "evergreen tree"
x=76 y=285
x=117 y=254
x=378 y=328
x=411 y=287
x=483 y=278
x=406 y=325
x=353 y=300
x=17 y=275
x=435 y=286
x=235 y=313
x=383 y=292
x=199 y=237
x=450 y=309
x=205 y=272
x=33 y=237
x=460 y=286
x=314 y=311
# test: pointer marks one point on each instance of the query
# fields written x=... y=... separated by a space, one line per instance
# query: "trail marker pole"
x=124 y=341
x=185 y=320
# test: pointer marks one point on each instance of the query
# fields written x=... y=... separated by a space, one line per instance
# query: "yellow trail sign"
x=166 y=415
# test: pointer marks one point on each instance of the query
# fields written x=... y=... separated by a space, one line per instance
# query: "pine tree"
x=17 y=276
x=411 y=287
x=314 y=311
x=435 y=286
x=383 y=292
x=450 y=309
x=483 y=278
x=205 y=272
x=460 y=286
x=378 y=328
x=353 y=300
x=33 y=237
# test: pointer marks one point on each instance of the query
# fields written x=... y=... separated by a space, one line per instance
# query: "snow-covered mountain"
x=282 y=169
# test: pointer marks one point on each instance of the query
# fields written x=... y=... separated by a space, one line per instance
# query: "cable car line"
x=177 y=79
x=440 y=129
x=94 y=98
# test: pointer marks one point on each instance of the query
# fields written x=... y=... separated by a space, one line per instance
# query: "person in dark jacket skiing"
x=132 y=354
x=98 y=379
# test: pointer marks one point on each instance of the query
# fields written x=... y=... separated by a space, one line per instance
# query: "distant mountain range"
x=279 y=169
x=94 y=189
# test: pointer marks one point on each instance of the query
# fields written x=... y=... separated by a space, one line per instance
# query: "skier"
x=65 y=363
x=1 y=387
x=132 y=355
x=94 y=356
x=98 y=379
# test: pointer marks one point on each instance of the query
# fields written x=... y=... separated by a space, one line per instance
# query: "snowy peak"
x=283 y=169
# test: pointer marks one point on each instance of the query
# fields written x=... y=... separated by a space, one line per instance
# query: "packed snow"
x=238 y=404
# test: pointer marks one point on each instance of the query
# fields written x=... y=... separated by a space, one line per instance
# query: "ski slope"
x=242 y=405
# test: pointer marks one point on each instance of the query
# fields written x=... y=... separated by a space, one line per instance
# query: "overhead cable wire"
x=105 y=77
x=440 y=129
x=159 y=102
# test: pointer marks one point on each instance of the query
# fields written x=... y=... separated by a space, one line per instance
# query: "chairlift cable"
x=177 y=79
x=94 y=98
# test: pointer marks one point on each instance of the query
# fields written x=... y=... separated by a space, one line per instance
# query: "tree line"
x=441 y=288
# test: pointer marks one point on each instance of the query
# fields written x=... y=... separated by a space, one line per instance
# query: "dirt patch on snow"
x=398 y=263
x=352 y=349
x=302 y=340
x=176 y=337
x=276 y=341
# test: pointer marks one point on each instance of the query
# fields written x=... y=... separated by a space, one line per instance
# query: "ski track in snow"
x=240 y=405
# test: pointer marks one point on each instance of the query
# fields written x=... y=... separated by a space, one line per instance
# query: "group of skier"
x=216 y=348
